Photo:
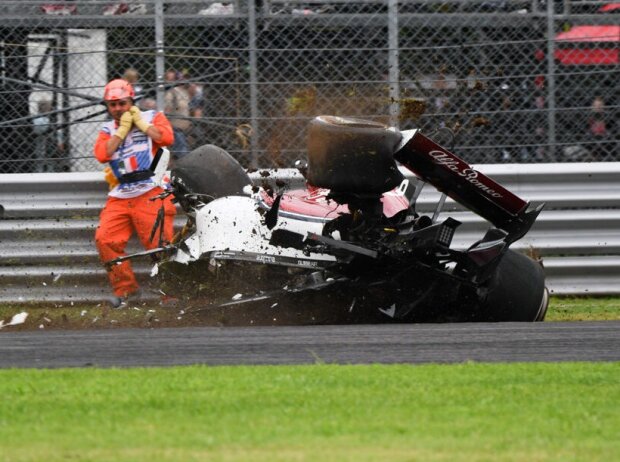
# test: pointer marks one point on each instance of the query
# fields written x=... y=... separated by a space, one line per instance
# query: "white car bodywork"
x=233 y=228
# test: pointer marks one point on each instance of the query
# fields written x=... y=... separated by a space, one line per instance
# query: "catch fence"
x=503 y=81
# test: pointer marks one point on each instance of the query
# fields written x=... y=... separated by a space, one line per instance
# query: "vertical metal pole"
x=567 y=7
x=253 y=82
x=66 y=116
x=393 y=66
x=57 y=52
x=160 y=57
x=551 y=130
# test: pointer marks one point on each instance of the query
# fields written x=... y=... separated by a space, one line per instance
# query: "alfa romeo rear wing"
x=457 y=179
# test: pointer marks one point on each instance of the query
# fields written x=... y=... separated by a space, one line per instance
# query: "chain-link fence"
x=500 y=81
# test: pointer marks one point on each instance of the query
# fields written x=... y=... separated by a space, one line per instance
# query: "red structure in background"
x=590 y=45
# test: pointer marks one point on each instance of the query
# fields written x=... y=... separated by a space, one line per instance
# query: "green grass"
x=583 y=309
x=468 y=412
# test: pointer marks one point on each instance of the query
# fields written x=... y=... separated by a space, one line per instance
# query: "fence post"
x=551 y=81
x=393 y=65
x=160 y=53
x=253 y=82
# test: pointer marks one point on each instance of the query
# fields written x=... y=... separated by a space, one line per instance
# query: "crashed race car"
x=351 y=240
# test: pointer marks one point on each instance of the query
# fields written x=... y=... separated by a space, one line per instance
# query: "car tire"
x=517 y=291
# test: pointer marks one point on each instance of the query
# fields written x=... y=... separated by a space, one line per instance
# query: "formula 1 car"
x=350 y=240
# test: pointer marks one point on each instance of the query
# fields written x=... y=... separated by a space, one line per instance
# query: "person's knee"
x=170 y=209
x=108 y=241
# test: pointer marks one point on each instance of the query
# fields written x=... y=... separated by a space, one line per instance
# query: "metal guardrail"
x=47 y=250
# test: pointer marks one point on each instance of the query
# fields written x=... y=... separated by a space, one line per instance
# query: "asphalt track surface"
x=350 y=344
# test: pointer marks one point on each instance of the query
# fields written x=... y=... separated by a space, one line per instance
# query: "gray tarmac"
x=349 y=344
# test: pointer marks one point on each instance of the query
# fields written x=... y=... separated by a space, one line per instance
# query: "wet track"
x=437 y=343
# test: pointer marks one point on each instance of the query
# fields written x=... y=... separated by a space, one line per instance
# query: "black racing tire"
x=355 y=156
x=517 y=291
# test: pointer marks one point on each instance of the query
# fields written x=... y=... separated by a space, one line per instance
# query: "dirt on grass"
x=149 y=315
x=154 y=315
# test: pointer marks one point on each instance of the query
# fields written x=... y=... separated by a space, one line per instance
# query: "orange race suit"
x=128 y=207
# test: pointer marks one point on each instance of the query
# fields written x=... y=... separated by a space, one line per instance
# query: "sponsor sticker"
x=469 y=174
x=265 y=258
x=308 y=263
